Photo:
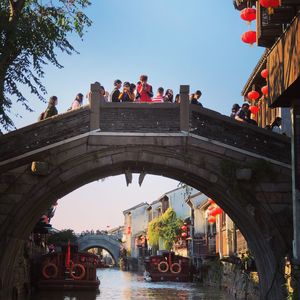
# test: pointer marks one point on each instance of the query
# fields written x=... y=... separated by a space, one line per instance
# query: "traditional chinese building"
x=135 y=228
x=278 y=30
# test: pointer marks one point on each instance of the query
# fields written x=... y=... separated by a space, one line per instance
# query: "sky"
x=174 y=42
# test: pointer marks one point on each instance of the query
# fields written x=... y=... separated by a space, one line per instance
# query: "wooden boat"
x=167 y=267
x=68 y=269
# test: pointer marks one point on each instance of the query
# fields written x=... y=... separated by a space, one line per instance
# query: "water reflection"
x=117 y=285
x=65 y=295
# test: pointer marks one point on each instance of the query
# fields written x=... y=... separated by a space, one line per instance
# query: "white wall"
x=139 y=222
x=199 y=215
x=177 y=201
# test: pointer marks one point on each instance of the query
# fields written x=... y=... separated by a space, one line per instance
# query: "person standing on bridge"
x=234 y=110
x=159 y=96
x=195 y=98
x=126 y=95
x=144 y=89
x=243 y=114
x=114 y=96
x=169 y=96
x=276 y=125
x=77 y=101
x=51 y=109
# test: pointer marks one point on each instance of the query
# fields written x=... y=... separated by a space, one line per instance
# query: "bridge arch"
x=174 y=157
x=110 y=244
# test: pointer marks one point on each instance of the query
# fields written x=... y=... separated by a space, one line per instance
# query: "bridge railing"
x=218 y=128
x=140 y=118
x=132 y=117
x=45 y=133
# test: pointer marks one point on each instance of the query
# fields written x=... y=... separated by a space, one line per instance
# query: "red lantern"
x=128 y=230
x=184 y=227
x=216 y=211
x=264 y=73
x=211 y=219
x=254 y=109
x=248 y=14
x=265 y=90
x=270 y=5
x=253 y=95
x=249 y=37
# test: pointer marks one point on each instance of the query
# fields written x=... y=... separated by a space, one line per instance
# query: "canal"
x=118 y=285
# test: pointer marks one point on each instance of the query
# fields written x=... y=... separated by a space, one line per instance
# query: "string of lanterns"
x=265 y=89
x=249 y=14
x=249 y=37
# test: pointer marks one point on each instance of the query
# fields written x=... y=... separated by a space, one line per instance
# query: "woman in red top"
x=144 y=89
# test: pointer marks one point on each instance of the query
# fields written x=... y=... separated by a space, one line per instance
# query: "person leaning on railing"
x=51 y=109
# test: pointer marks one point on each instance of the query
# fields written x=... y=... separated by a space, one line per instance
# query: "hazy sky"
x=174 y=42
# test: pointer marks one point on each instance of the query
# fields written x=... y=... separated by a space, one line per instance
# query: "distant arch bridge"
x=104 y=241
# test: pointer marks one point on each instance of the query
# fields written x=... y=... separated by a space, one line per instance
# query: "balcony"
x=269 y=27
x=283 y=63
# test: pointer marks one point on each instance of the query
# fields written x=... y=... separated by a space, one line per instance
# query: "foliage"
x=62 y=237
x=30 y=33
x=166 y=227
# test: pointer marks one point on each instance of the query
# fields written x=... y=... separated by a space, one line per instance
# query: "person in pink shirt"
x=77 y=102
x=144 y=89
x=159 y=96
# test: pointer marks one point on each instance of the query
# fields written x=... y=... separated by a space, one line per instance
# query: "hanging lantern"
x=253 y=95
x=211 y=219
x=254 y=109
x=270 y=5
x=249 y=37
x=216 y=211
x=264 y=73
x=248 y=14
x=184 y=227
x=265 y=90
x=128 y=230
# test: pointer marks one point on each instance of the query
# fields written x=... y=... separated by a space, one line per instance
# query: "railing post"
x=94 y=101
x=184 y=108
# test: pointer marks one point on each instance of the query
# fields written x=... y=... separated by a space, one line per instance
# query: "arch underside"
x=112 y=250
x=73 y=166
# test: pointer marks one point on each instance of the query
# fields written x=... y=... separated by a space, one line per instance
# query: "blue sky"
x=174 y=42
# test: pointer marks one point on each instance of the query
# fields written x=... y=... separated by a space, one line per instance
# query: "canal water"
x=118 y=285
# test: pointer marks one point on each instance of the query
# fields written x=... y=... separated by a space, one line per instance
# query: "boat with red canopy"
x=167 y=267
x=67 y=269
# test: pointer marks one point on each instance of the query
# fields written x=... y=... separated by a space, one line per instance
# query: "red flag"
x=68 y=256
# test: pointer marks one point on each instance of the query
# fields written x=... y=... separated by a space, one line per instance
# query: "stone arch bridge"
x=245 y=169
x=104 y=241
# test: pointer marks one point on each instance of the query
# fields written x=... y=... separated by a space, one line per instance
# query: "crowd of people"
x=243 y=114
x=125 y=92
x=143 y=92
